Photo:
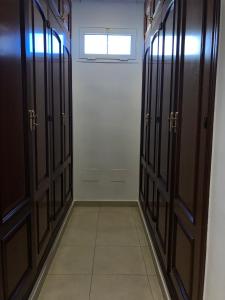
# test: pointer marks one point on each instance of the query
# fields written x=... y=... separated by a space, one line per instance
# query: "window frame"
x=108 y=31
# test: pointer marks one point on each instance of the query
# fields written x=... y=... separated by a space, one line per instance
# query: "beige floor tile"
x=111 y=220
x=73 y=260
x=137 y=217
x=142 y=237
x=148 y=260
x=119 y=260
x=116 y=209
x=83 y=209
x=155 y=287
x=83 y=221
x=119 y=287
x=81 y=230
x=66 y=287
x=79 y=237
x=117 y=237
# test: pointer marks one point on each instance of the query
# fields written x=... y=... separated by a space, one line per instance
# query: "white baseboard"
x=155 y=258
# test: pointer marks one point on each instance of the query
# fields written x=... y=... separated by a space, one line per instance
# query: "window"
x=107 y=44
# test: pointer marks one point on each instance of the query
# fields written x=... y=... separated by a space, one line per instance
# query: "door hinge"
x=173 y=121
x=32 y=119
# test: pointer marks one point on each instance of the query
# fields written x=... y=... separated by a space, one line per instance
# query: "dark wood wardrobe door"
x=144 y=126
x=188 y=207
x=15 y=189
x=160 y=137
x=40 y=129
x=145 y=106
x=16 y=259
x=151 y=139
x=58 y=117
x=67 y=93
x=164 y=133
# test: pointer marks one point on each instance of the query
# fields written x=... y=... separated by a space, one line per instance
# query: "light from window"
x=95 y=44
x=107 y=44
x=119 y=45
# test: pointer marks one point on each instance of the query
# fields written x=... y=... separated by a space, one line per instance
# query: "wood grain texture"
x=174 y=197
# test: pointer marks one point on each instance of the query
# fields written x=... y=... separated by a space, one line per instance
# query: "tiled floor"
x=103 y=255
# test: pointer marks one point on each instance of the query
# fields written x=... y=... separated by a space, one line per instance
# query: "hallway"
x=103 y=255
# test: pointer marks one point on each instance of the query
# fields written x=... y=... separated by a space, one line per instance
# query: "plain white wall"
x=107 y=108
x=215 y=263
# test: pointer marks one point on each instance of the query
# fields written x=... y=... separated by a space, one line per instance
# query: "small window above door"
x=107 y=44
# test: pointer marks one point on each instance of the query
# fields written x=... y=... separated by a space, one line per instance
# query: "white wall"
x=215 y=263
x=107 y=108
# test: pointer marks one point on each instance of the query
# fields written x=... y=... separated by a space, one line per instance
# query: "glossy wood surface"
x=32 y=78
x=174 y=175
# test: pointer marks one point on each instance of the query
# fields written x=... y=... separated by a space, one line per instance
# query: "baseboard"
x=109 y=203
x=41 y=278
x=159 y=272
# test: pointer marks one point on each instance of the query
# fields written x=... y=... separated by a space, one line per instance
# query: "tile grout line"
x=92 y=272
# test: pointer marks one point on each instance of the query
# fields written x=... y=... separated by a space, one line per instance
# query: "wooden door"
x=144 y=126
x=151 y=136
x=57 y=117
x=67 y=97
x=191 y=157
x=164 y=126
x=39 y=123
x=162 y=69
x=16 y=225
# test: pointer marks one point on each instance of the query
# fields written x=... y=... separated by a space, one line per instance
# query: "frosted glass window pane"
x=119 y=45
x=95 y=44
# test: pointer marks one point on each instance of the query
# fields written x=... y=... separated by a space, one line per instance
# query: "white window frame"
x=109 y=31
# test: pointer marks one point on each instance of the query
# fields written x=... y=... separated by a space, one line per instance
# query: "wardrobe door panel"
x=150 y=202
x=145 y=106
x=67 y=93
x=57 y=106
x=188 y=202
x=43 y=220
x=190 y=110
x=16 y=259
x=39 y=128
x=67 y=103
x=40 y=95
x=14 y=162
x=58 y=118
x=163 y=130
x=58 y=196
x=166 y=98
x=162 y=221
x=16 y=256
x=68 y=182
x=183 y=268
x=153 y=100
x=143 y=185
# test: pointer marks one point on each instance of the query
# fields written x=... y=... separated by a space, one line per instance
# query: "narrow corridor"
x=103 y=255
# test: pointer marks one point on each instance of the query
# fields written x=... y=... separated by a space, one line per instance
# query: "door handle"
x=32 y=119
x=173 y=120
